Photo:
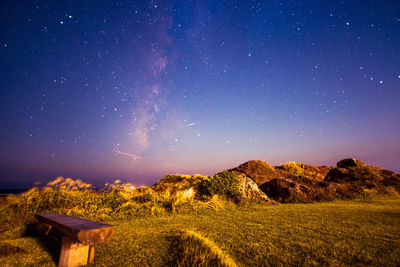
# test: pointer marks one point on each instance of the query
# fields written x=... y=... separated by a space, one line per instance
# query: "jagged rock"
x=350 y=162
x=338 y=175
x=285 y=190
x=292 y=182
x=278 y=188
x=250 y=189
x=314 y=172
x=357 y=178
x=259 y=171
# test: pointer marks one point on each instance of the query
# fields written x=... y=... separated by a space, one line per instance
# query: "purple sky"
x=133 y=90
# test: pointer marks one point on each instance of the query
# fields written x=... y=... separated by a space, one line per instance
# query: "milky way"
x=132 y=90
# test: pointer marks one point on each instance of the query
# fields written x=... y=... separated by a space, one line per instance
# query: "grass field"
x=357 y=232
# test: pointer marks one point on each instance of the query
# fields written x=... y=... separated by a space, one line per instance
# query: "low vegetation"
x=356 y=232
x=211 y=221
x=173 y=194
x=225 y=184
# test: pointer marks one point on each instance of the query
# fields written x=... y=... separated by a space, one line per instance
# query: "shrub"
x=116 y=200
x=225 y=184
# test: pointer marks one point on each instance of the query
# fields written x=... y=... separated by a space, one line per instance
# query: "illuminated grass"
x=331 y=233
x=190 y=248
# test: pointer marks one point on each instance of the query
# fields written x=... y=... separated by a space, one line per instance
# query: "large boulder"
x=259 y=171
x=314 y=172
x=350 y=162
x=339 y=175
x=250 y=189
x=285 y=190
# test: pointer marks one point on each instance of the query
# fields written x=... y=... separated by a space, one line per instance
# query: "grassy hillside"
x=356 y=232
x=224 y=219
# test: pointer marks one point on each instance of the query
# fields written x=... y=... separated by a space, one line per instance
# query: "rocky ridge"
x=292 y=182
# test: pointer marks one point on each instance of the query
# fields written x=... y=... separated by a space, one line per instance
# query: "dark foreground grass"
x=331 y=233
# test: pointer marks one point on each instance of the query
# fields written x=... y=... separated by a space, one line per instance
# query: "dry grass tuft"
x=173 y=194
x=190 y=248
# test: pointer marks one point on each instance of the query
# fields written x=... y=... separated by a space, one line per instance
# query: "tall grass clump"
x=115 y=201
x=190 y=248
x=225 y=184
x=76 y=198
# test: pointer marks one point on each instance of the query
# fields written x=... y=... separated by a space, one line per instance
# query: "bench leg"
x=91 y=254
x=73 y=253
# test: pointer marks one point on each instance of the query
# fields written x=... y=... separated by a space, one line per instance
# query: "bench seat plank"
x=85 y=231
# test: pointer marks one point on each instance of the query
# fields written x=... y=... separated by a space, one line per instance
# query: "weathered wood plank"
x=85 y=231
x=64 y=253
x=73 y=254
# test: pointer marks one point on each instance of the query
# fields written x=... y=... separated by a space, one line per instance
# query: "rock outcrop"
x=259 y=171
x=358 y=178
x=293 y=182
x=283 y=190
x=250 y=189
x=350 y=162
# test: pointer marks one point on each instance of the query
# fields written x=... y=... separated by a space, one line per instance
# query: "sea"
x=5 y=192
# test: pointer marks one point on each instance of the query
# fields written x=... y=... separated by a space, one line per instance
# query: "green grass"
x=356 y=232
x=190 y=248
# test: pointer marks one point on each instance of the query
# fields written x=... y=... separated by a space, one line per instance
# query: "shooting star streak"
x=192 y=124
x=116 y=150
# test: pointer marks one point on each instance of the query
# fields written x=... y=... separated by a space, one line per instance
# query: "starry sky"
x=133 y=90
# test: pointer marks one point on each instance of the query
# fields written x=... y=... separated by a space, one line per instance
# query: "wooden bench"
x=78 y=236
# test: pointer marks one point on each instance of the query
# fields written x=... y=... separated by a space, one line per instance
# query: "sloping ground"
x=338 y=233
x=293 y=182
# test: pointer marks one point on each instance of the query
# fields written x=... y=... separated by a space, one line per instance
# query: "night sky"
x=133 y=90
